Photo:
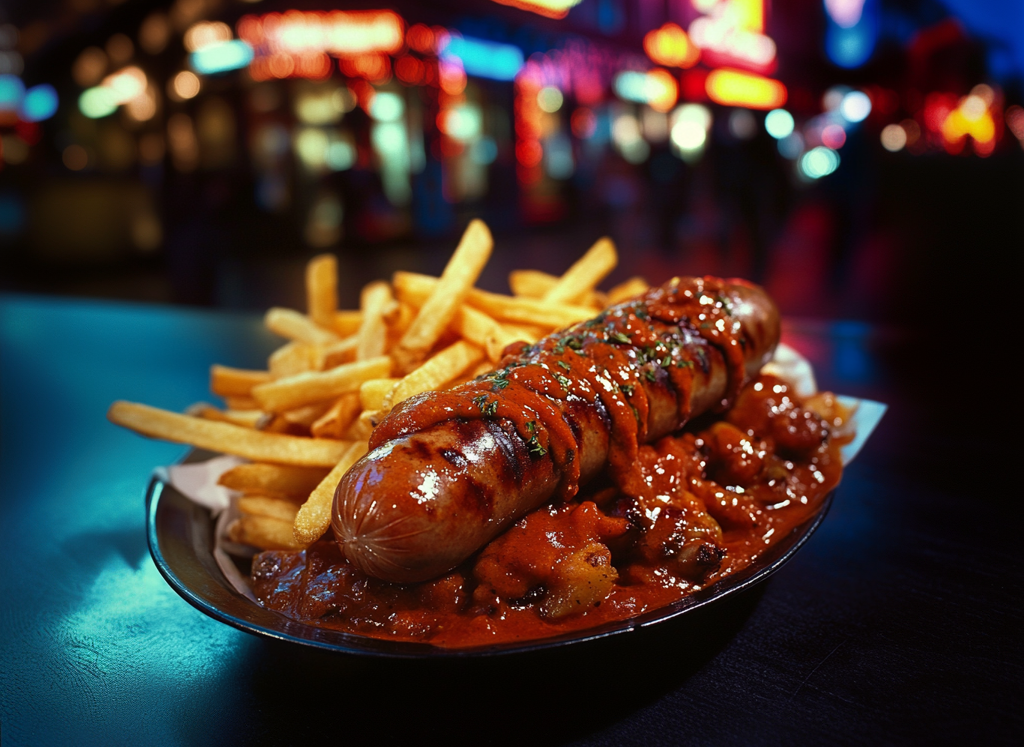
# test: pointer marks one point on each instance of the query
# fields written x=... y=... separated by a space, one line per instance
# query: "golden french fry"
x=339 y=418
x=241 y=403
x=226 y=437
x=585 y=273
x=534 y=284
x=295 y=326
x=330 y=356
x=373 y=392
x=414 y=288
x=307 y=415
x=375 y=301
x=245 y=418
x=274 y=479
x=322 y=289
x=263 y=505
x=347 y=323
x=476 y=327
x=292 y=358
x=362 y=427
x=263 y=532
x=439 y=370
x=399 y=321
x=307 y=388
x=237 y=382
x=531 y=283
x=437 y=310
x=314 y=516
x=628 y=289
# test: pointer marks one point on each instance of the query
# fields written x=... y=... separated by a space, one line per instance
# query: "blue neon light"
x=484 y=59
x=221 y=57
x=40 y=102
x=11 y=92
x=852 y=45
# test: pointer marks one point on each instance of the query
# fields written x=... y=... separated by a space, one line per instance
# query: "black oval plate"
x=180 y=535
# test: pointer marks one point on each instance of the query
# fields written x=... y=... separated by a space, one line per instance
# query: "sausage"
x=448 y=471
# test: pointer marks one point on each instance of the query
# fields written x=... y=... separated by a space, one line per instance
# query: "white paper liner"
x=197 y=481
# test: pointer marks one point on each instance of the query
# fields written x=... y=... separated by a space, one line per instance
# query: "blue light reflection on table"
x=83 y=604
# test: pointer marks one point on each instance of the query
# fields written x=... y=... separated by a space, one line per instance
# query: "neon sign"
x=547 y=8
x=733 y=34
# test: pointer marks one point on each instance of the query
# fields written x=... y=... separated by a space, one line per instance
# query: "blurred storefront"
x=200 y=150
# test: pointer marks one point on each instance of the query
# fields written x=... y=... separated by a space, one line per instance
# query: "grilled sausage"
x=448 y=471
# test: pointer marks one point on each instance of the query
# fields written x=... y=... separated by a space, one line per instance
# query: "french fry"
x=362 y=427
x=314 y=516
x=628 y=289
x=347 y=322
x=375 y=300
x=531 y=283
x=228 y=382
x=274 y=479
x=306 y=416
x=534 y=284
x=241 y=403
x=292 y=358
x=263 y=505
x=339 y=418
x=263 y=532
x=295 y=326
x=226 y=438
x=440 y=307
x=398 y=321
x=307 y=388
x=476 y=327
x=373 y=392
x=330 y=356
x=585 y=273
x=414 y=288
x=322 y=289
x=439 y=370
x=244 y=418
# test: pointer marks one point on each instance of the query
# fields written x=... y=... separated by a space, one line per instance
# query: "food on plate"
x=448 y=471
x=510 y=467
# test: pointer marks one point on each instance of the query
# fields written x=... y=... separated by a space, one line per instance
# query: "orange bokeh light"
x=671 y=46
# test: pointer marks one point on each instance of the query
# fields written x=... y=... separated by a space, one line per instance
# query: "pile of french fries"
x=306 y=420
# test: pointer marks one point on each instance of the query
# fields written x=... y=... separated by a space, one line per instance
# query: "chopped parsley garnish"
x=651 y=376
x=535 y=448
x=564 y=381
x=563 y=364
x=489 y=409
x=684 y=364
x=620 y=337
x=531 y=426
x=641 y=312
x=626 y=389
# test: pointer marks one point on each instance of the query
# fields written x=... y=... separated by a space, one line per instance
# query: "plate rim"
x=348 y=643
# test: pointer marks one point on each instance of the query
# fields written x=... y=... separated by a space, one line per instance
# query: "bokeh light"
x=855 y=106
x=779 y=123
x=549 y=99
x=894 y=138
x=819 y=162
x=185 y=85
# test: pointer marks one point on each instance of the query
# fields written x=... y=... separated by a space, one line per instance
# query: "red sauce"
x=705 y=503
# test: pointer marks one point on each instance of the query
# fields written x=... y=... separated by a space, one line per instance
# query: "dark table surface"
x=898 y=623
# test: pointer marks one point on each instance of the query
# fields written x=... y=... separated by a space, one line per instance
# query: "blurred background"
x=861 y=158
